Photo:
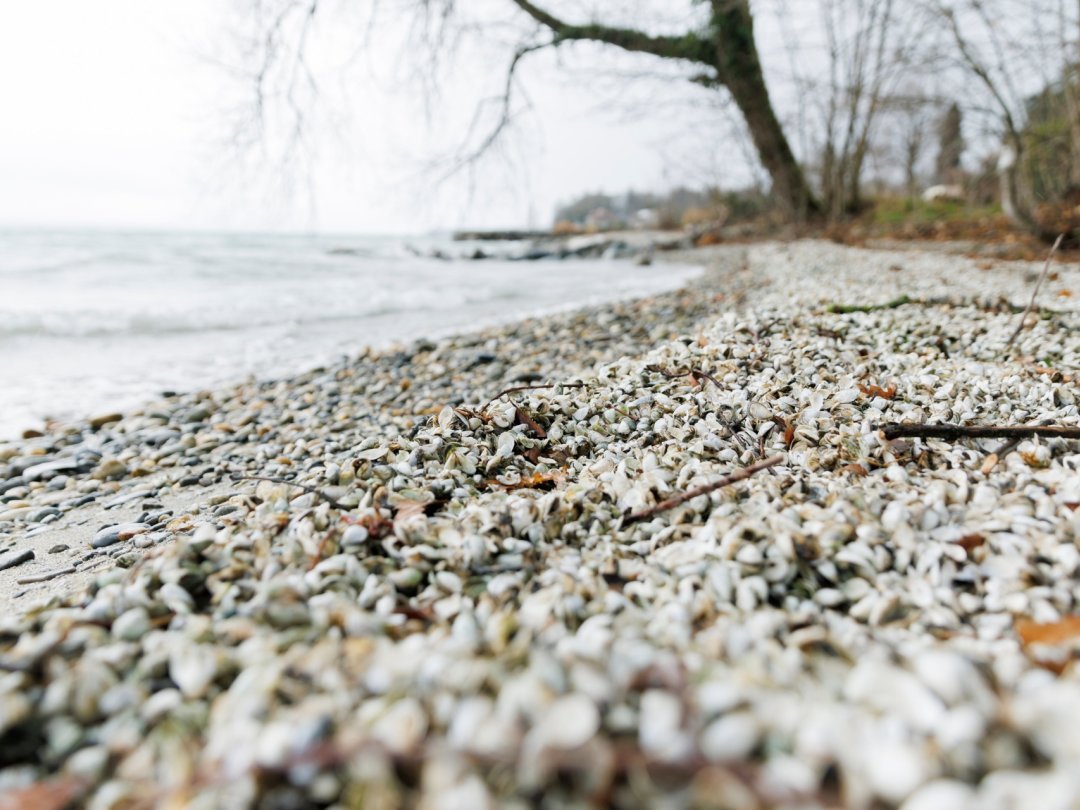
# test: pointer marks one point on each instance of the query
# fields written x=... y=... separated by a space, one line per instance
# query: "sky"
x=112 y=116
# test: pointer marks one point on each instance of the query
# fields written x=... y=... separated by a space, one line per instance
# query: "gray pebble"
x=41 y=514
x=13 y=558
x=113 y=534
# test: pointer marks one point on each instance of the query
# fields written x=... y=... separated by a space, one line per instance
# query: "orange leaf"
x=1064 y=293
x=889 y=392
x=855 y=469
x=547 y=480
x=1059 y=632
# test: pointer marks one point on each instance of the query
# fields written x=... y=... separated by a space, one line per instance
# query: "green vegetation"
x=903 y=210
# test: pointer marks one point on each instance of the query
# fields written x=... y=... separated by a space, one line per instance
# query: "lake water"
x=92 y=322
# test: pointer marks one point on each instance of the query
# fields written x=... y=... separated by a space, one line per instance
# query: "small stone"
x=110 y=470
x=43 y=514
x=99 y=422
x=13 y=558
x=115 y=534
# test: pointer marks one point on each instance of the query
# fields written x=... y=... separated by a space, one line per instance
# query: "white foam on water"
x=99 y=321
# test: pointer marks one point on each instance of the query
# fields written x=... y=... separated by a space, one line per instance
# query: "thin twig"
x=1035 y=292
x=692 y=373
x=738 y=475
x=952 y=432
x=313 y=490
x=45 y=576
x=519 y=388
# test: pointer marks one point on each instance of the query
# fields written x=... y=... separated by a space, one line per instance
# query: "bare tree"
x=712 y=42
x=1005 y=66
x=871 y=46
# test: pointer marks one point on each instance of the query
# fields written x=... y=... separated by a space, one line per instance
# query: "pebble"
x=14 y=558
x=115 y=534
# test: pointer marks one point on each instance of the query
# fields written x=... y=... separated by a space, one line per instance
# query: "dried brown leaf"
x=888 y=392
x=547 y=480
x=971 y=541
x=523 y=418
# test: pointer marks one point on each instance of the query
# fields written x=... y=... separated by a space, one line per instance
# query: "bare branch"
x=689 y=47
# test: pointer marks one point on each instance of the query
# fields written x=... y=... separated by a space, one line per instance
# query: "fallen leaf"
x=1064 y=293
x=971 y=541
x=54 y=794
x=1052 y=633
x=1033 y=460
x=523 y=418
x=548 y=480
x=889 y=392
x=855 y=469
x=377 y=526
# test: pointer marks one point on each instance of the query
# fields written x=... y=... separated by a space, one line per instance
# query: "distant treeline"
x=681 y=207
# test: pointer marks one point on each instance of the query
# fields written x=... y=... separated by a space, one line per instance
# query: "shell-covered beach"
x=437 y=576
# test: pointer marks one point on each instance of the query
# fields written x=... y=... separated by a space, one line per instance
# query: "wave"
x=106 y=324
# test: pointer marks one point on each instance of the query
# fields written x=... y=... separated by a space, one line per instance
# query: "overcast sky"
x=111 y=117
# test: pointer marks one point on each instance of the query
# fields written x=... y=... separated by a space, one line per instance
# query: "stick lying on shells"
x=895 y=430
x=1035 y=292
x=517 y=389
x=313 y=490
x=738 y=475
x=695 y=374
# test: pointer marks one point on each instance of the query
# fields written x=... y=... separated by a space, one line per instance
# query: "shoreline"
x=178 y=498
x=473 y=618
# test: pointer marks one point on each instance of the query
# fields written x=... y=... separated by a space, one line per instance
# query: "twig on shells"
x=895 y=430
x=1035 y=292
x=845 y=309
x=519 y=388
x=313 y=490
x=738 y=475
x=695 y=374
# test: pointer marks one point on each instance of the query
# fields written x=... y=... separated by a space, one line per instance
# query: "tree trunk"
x=728 y=47
x=789 y=185
x=1013 y=202
x=740 y=71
